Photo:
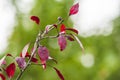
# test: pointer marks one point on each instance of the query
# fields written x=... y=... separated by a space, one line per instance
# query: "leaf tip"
x=74 y=9
x=59 y=73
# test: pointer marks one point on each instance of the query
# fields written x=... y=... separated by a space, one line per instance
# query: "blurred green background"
x=102 y=52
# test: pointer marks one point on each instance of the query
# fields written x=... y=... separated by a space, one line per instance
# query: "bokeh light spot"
x=87 y=60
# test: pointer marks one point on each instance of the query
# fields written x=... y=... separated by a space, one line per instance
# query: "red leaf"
x=21 y=62
x=71 y=29
x=24 y=51
x=55 y=25
x=62 y=28
x=2 y=60
x=10 y=70
x=62 y=42
x=74 y=9
x=27 y=55
x=36 y=19
x=35 y=60
x=59 y=73
x=70 y=38
x=2 y=77
x=43 y=54
x=9 y=55
x=20 y=54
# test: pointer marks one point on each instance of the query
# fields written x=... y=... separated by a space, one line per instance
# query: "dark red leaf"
x=62 y=28
x=71 y=29
x=59 y=73
x=21 y=62
x=10 y=70
x=70 y=38
x=74 y=9
x=2 y=77
x=36 y=19
x=62 y=42
x=27 y=55
x=21 y=54
x=35 y=60
x=55 y=25
x=9 y=55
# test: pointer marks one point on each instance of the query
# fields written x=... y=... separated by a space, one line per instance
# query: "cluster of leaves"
x=26 y=59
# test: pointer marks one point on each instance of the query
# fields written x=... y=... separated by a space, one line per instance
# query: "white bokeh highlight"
x=95 y=17
x=7 y=22
x=7 y=18
x=25 y=6
x=59 y=0
x=87 y=60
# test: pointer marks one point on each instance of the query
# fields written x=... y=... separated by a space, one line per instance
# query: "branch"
x=36 y=45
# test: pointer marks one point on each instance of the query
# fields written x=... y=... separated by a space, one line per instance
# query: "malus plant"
x=26 y=58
